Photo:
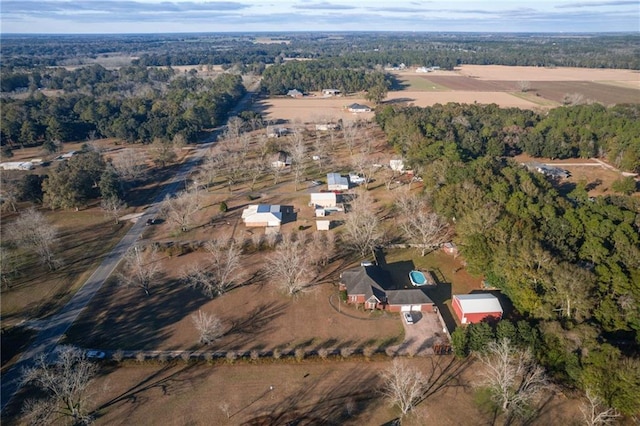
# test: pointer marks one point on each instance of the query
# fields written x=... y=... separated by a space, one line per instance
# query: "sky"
x=170 y=16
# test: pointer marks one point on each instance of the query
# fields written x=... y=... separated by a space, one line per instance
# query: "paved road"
x=54 y=328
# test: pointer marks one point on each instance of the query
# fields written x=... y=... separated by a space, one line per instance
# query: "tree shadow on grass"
x=332 y=403
x=244 y=328
x=170 y=379
x=125 y=318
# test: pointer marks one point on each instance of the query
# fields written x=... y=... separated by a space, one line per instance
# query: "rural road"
x=53 y=329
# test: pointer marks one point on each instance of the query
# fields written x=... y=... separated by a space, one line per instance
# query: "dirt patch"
x=311 y=109
x=471 y=84
x=605 y=94
x=597 y=176
x=507 y=73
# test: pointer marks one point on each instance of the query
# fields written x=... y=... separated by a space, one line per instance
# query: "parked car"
x=95 y=355
x=151 y=221
x=407 y=317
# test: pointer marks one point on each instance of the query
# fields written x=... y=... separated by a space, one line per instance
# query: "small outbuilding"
x=475 y=307
x=324 y=199
x=337 y=182
x=295 y=93
x=323 y=225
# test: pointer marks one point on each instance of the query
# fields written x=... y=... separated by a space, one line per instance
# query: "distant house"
x=281 y=160
x=325 y=127
x=295 y=93
x=264 y=215
x=277 y=132
x=423 y=69
x=330 y=92
x=372 y=287
x=337 y=182
x=473 y=308
x=356 y=179
x=358 y=108
x=17 y=165
x=324 y=199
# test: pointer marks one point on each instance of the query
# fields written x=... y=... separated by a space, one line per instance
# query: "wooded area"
x=569 y=263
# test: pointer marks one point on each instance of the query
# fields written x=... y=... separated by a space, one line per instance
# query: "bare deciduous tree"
x=511 y=375
x=362 y=226
x=209 y=327
x=219 y=275
x=224 y=258
x=420 y=225
x=141 y=267
x=287 y=266
x=595 y=413
x=65 y=383
x=8 y=267
x=32 y=232
x=113 y=207
x=404 y=386
x=129 y=164
x=298 y=152
x=350 y=132
x=163 y=152
x=211 y=167
x=178 y=210
x=524 y=86
x=254 y=170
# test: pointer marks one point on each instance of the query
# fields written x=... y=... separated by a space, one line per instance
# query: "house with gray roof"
x=372 y=287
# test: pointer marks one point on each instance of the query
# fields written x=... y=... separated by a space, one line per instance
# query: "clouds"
x=106 y=16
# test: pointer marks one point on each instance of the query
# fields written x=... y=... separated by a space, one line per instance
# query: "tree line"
x=569 y=263
x=347 y=49
x=132 y=104
x=467 y=132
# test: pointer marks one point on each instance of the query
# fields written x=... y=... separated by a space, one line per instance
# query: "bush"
x=231 y=356
x=343 y=295
x=323 y=353
x=277 y=353
x=223 y=207
x=118 y=355
x=346 y=352
x=299 y=354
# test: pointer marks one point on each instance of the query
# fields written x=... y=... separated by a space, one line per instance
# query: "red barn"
x=472 y=308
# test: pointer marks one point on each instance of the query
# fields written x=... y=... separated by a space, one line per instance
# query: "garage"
x=416 y=308
x=405 y=308
x=412 y=300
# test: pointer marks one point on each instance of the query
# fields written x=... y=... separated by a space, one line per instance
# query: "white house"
x=295 y=93
x=324 y=199
x=357 y=108
x=336 y=182
x=355 y=179
x=263 y=215
x=396 y=165
x=330 y=92
x=17 y=165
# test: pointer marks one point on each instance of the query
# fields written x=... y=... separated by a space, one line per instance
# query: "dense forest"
x=466 y=132
x=317 y=75
x=132 y=103
x=366 y=49
x=569 y=263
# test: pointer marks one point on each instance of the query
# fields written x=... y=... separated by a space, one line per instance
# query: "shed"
x=295 y=93
x=473 y=308
x=324 y=199
x=336 y=182
x=281 y=160
x=323 y=225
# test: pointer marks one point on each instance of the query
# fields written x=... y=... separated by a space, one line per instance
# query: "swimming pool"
x=417 y=278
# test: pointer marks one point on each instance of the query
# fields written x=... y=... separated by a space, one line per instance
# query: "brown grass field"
x=310 y=392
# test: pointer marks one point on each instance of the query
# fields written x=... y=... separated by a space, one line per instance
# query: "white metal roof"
x=478 y=303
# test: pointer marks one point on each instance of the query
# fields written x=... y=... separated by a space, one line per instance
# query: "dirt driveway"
x=420 y=336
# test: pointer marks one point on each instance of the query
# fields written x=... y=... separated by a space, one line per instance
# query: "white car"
x=95 y=355
x=407 y=317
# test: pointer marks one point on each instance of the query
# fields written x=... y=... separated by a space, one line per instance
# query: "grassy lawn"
x=421 y=84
